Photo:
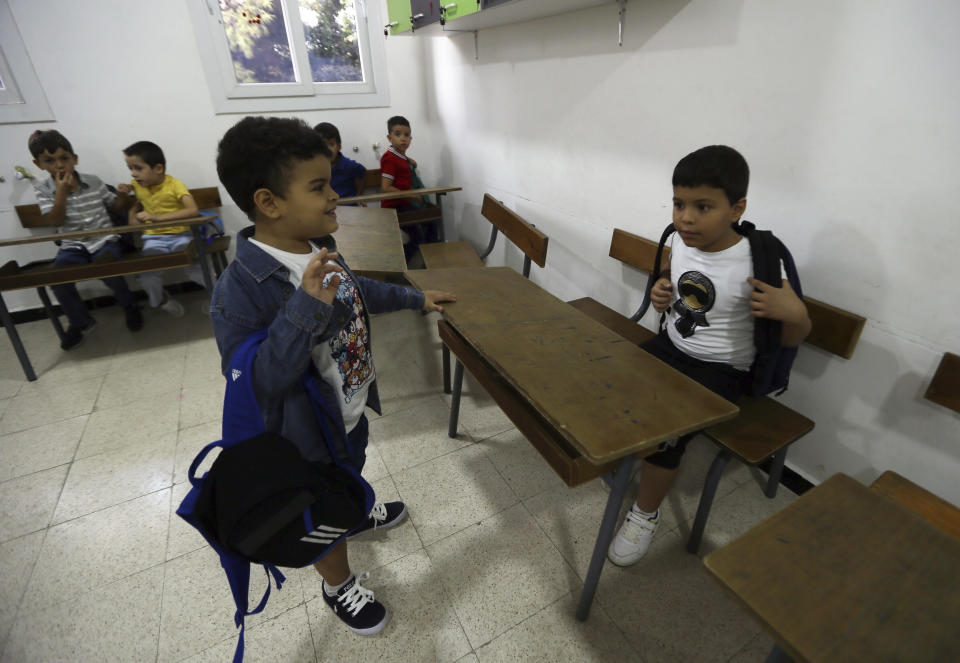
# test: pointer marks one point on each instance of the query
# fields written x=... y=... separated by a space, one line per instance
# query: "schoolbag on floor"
x=261 y=502
x=770 y=371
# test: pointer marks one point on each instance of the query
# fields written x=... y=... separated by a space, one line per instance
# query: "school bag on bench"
x=771 y=366
x=261 y=502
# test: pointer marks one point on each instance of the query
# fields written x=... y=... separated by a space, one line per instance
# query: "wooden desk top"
x=844 y=574
x=393 y=195
x=113 y=230
x=606 y=396
x=369 y=238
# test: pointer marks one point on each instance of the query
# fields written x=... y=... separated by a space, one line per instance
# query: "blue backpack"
x=261 y=502
x=770 y=371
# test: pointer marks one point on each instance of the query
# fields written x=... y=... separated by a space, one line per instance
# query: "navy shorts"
x=722 y=379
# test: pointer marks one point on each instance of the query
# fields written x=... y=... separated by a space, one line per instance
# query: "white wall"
x=848 y=115
x=113 y=76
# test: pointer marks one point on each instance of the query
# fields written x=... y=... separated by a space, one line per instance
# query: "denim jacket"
x=255 y=293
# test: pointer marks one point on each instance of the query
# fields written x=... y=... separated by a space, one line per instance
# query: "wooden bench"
x=765 y=427
x=455 y=255
x=431 y=214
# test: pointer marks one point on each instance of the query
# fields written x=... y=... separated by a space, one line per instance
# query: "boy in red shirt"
x=396 y=174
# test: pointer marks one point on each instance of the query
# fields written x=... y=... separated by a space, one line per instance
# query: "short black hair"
x=328 y=131
x=397 y=120
x=149 y=152
x=47 y=141
x=717 y=166
x=258 y=152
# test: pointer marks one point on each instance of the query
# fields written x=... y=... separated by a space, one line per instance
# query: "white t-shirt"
x=709 y=318
x=344 y=362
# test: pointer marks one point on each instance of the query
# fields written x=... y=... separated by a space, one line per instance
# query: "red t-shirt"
x=394 y=166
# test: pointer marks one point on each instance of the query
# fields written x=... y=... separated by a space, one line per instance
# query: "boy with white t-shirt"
x=711 y=300
x=288 y=279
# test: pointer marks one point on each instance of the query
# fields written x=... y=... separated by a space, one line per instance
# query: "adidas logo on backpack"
x=236 y=373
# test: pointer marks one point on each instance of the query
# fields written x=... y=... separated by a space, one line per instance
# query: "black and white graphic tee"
x=709 y=318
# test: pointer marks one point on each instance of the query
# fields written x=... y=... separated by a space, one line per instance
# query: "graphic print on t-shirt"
x=697 y=296
x=350 y=348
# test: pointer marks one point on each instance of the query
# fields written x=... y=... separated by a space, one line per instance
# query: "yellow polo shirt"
x=163 y=198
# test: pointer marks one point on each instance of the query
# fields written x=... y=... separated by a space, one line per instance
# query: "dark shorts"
x=722 y=379
x=357 y=438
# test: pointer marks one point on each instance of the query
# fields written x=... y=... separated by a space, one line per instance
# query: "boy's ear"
x=268 y=203
x=738 y=208
x=162 y=169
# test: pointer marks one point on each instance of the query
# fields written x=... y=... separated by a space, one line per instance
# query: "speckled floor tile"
x=140 y=381
x=45 y=402
x=523 y=468
x=27 y=502
x=40 y=448
x=414 y=435
x=17 y=558
x=202 y=402
x=129 y=425
x=182 y=537
x=480 y=416
x=190 y=441
x=284 y=639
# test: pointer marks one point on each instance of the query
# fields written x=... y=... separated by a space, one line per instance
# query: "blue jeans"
x=66 y=293
x=357 y=439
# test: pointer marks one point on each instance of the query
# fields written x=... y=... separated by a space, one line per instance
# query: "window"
x=278 y=55
x=21 y=97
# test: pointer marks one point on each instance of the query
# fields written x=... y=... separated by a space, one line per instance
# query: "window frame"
x=22 y=99
x=230 y=97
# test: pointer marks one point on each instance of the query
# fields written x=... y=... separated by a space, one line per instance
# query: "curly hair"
x=47 y=141
x=259 y=152
x=716 y=166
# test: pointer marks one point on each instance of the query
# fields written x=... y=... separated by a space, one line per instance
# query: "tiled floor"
x=95 y=566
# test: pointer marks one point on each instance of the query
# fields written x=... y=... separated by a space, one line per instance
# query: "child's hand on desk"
x=124 y=189
x=145 y=217
x=431 y=297
x=769 y=301
x=661 y=294
x=315 y=273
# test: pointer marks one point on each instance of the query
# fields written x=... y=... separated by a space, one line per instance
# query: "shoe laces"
x=636 y=526
x=357 y=596
x=378 y=513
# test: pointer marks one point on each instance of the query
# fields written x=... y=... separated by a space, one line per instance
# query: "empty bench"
x=765 y=427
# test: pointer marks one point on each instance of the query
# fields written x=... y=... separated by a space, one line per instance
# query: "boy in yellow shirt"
x=160 y=197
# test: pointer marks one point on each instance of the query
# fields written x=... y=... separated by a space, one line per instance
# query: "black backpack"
x=770 y=371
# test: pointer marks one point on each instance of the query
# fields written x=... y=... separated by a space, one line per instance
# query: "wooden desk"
x=591 y=388
x=112 y=230
x=369 y=238
x=844 y=574
x=393 y=195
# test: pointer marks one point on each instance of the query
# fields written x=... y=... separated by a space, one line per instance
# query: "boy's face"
x=145 y=175
x=334 y=146
x=60 y=161
x=307 y=209
x=400 y=138
x=703 y=217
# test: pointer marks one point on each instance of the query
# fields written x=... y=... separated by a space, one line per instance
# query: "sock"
x=648 y=516
x=331 y=590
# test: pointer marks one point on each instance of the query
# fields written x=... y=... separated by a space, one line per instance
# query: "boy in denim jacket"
x=288 y=278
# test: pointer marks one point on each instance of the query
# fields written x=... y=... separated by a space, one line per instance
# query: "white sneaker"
x=631 y=542
x=173 y=307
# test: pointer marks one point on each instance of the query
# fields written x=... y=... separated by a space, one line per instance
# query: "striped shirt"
x=86 y=210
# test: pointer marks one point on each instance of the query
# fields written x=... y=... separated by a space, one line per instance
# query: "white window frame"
x=230 y=97
x=22 y=99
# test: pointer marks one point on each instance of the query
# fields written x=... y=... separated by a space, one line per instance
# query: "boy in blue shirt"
x=347 y=176
x=711 y=298
x=288 y=278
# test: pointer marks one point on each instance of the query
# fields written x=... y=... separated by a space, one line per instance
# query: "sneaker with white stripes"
x=383 y=516
x=632 y=541
x=356 y=607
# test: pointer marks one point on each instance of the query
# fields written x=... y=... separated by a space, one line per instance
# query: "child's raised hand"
x=316 y=271
x=661 y=294
x=124 y=189
x=64 y=182
x=431 y=297
x=769 y=301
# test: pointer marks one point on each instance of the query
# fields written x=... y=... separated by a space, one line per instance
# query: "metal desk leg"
x=48 y=307
x=777 y=655
x=621 y=481
x=446 y=367
x=202 y=256
x=455 y=398
x=15 y=340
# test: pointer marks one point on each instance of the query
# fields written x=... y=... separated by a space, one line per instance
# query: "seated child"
x=709 y=335
x=78 y=201
x=160 y=197
x=396 y=174
x=288 y=278
x=347 y=175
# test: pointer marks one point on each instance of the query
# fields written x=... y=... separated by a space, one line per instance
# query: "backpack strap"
x=241 y=413
x=654 y=277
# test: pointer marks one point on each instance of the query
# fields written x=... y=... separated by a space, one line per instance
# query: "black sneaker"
x=74 y=335
x=134 y=319
x=383 y=516
x=356 y=607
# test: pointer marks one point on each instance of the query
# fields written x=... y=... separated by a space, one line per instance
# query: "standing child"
x=160 y=197
x=79 y=201
x=712 y=299
x=288 y=279
x=347 y=176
